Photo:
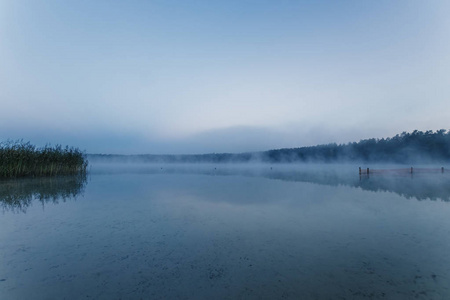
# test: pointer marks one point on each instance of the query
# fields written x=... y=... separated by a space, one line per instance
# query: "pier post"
x=442 y=170
x=367 y=171
x=359 y=170
x=411 y=170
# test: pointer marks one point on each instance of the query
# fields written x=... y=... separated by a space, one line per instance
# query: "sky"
x=183 y=77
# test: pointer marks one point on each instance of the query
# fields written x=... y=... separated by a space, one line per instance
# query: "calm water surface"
x=213 y=232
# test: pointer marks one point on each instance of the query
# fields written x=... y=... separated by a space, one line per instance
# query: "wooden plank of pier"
x=400 y=171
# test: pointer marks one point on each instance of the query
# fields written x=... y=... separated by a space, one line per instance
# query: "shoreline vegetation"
x=404 y=148
x=21 y=159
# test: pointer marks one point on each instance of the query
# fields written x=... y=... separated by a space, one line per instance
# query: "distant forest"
x=418 y=146
x=406 y=147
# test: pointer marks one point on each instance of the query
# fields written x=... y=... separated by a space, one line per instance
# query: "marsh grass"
x=21 y=159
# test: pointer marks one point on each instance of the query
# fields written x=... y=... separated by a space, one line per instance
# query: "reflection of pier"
x=411 y=170
x=427 y=183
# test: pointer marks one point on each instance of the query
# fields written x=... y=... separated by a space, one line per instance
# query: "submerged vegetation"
x=20 y=159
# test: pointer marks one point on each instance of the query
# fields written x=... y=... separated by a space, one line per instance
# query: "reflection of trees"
x=17 y=194
x=421 y=186
x=418 y=186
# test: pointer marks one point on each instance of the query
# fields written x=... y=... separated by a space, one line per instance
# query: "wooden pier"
x=411 y=170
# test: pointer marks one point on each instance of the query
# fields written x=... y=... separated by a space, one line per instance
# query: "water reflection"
x=420 y=186
x=18 y=194
x=205 y=232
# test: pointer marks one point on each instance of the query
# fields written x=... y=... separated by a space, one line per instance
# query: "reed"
x=21 y=159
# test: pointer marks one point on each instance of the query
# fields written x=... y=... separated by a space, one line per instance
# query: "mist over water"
x=287 y=99
x=426 y=181
x=168 y=231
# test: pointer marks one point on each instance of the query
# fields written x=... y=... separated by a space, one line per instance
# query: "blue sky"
x=220 y=76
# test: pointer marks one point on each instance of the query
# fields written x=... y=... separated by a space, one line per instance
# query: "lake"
x=226 y=232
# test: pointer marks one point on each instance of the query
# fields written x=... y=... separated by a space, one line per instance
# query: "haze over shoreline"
x=418 y=146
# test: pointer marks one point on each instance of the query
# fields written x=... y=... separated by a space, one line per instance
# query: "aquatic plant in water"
x=20 y=159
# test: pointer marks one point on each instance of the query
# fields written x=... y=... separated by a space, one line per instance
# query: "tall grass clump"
x=20 y=159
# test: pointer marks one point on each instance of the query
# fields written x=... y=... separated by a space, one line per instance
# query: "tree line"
x=417 y=146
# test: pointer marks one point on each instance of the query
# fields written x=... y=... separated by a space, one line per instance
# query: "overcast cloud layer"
x=220 y=76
